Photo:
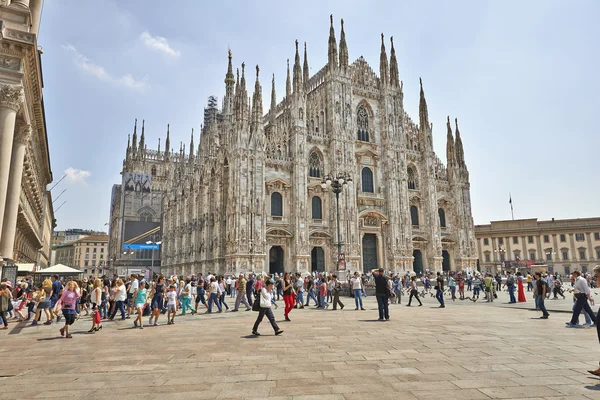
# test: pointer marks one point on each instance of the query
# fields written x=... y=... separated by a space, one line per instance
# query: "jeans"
x=310 y=295
x=469 y=285
x=511 y=292
x=185 y=304
x=439 y=295
x=241 y=298
x=358 y=298
x=300 y=298
x=3 y=317
x=529 y=286
x=103 y=309
x=233 y=291
x=540 y=303
x=121 y=306
x=382 y=304
x=476 y=291
x=588 y=320
x=222 y=301
x=336 y=301
x=269 y=313
x=249 y=296
x=288 y=299
x=581 y=304
x=323 y=301
x=214 y=299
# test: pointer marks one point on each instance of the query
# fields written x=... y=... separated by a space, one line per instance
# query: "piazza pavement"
x=465 y=351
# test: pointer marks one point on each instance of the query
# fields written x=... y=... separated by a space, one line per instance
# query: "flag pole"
x=512 y=211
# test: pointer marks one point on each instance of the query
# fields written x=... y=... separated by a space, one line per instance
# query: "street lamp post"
x=130 y=253
x=337 y=184
x=153 y=243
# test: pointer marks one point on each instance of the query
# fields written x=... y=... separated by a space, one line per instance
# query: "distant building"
x=88 y=254
x=71 y=235
x=561 y=245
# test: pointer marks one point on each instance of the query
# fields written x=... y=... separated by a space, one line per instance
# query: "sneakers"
x=34 y=323
x=69 y=336
x=570 y=325
x=256 y=333
x=279 y=332
x=135 y=324
x=49 y=322
x=62 y=331
x=58 y=318
x=544 y=317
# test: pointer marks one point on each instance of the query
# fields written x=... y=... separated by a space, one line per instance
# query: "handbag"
x=256 y=304
x=264 y=303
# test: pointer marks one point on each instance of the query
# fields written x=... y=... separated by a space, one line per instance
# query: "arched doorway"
x=276 y=260
x=317 y=259
x=445 y=260
x=418 y=262
x=369 y=250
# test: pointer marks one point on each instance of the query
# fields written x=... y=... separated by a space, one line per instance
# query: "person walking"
x=582 y=293
x=57 y=289
x=357 y=289
x=414 y=292
x=120 y=297
x=200 y=293
x=539 y=293
x=310 y=291
x=337 y=290
x=223 y=292
x=139 y=302
x=288 y=295
x=241 y=295
x=382 y=292
x=157 y=300
x=323 y=294
x=439 y=289
x=215 y=292
x=597 y=282
x=452 y=285
x=67 y=302
x=299 y=292
x=96 y=300
x=250 y=289
x=266 y=297
x=510 y=283
x=529 y=282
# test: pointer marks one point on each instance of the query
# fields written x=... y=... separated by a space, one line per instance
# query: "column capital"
x=22 y=133
x=11 y=96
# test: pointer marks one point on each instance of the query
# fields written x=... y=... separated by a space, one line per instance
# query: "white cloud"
x=158 y=43
x=77 y=176
x=89 y=67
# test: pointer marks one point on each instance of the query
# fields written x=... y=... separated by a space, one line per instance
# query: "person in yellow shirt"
x=529 y=283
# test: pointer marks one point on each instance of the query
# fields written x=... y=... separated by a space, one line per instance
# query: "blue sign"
x=135 y=246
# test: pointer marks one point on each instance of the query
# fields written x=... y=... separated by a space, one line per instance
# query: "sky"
x=521 y=77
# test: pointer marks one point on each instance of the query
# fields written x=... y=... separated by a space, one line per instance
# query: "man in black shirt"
x=439 y=289
x=382 y=292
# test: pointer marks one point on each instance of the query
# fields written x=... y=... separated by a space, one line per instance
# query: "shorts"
x=53 y=302
x=171 y=307
x=69 y=318
x=200 y=298
x=140 y=305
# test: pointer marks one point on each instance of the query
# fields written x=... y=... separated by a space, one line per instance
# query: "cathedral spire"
x=297 y=72
x=142 y=140
x=332 y=48
x=243 y=81
x=229 y=85
x=158 y=151
x=128 y=146
x=343 y=49
x=423 y=113
x=134 y=143
x=288 y=84
x=257 y=100
x=305 y=71
x=450 y=145
x=168 y=143
x=273 y=110
x=192 y=146
x=460 y=155
x=383 y=64
x=394 y=75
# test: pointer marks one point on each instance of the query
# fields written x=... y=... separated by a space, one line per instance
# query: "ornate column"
x=11 y=98
x=7 y=241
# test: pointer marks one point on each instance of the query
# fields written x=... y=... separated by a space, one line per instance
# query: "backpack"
x=510 y=280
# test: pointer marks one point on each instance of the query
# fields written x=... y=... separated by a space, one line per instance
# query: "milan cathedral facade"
x=250 y=196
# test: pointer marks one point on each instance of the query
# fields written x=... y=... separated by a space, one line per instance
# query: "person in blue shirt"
x=397 y=288
x=57 y=288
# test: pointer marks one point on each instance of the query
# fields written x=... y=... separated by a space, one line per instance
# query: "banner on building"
x=137 y=182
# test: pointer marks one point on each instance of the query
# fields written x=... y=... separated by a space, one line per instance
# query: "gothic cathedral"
x=250 y=198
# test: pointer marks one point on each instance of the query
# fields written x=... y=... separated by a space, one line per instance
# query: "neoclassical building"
x=250 y=196
x=26 y=212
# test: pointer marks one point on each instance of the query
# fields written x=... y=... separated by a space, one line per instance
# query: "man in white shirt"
x=133 y=287
x=300 y=292
x=582 y=292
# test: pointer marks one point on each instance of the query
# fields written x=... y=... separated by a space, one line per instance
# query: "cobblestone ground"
x=465 y=351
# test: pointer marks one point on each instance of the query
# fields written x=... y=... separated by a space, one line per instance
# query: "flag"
x=510 y=199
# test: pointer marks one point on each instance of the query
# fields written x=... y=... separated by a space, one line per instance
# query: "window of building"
x=101 y=249
x=412 y=178
x=529 y=239
x=582 y=254
x=367 y=180
x=584 y=269
x=87 y=256
x=87 y=250
x=317 y=208
x=153 y=171
x=486 y=241
x=598 y=254
x=315 y=165
x=95 y=249
x=596 y=235
x=567 y=271
x=146 y=217
x=500 y=241
x=580 y=237
x=532 y=255
x=414 y=215
x=515 y=240
x=94 y=256
x=546 y=239
x=362 y=123
x=442 y=215
x=85 y=263
x=487 y=257
x=549 y=254
x=563 y=237
x=276 y=205
x=102 y=256
x=565 y=255
x=502 y=257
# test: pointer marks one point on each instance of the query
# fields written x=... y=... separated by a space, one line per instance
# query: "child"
x=171 y=304
x=461 y=287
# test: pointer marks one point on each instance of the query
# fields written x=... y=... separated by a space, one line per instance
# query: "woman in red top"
x=288 y=295
x=461 y=287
